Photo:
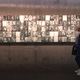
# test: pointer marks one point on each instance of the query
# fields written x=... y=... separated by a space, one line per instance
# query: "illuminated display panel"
x=38 y=28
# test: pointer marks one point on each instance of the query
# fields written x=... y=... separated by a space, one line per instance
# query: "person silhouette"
x=77 y=49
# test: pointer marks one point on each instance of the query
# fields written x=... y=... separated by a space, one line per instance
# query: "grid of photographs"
x=38 y=28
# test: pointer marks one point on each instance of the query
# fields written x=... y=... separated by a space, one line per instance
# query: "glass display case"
x=38 y=28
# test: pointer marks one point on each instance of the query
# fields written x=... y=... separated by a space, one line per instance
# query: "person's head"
x=78 y=31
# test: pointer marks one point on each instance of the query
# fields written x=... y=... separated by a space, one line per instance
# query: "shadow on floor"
x=39 y=73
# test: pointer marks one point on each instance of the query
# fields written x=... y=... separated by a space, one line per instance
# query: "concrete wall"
x=31 y=56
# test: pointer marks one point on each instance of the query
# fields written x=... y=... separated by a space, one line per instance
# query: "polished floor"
x=57 y=73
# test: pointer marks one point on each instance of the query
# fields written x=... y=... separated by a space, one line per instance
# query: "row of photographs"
x=37 y=39
x=50 y=25
x=39 y=28
x=40 y=17
x=52 y=36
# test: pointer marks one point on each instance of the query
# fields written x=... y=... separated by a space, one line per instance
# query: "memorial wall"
x=37 y=25
x=38 y=28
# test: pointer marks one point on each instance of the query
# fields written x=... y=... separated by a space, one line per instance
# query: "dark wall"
x=30 y=56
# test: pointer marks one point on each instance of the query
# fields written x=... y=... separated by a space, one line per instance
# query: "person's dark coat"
x=77 y=58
